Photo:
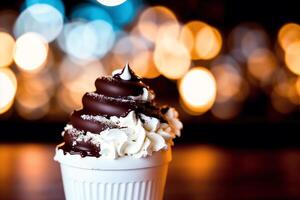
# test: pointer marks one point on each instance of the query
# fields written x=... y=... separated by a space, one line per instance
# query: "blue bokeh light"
x=88 y=40
x=90 y=12
x=43 y=19
x=58 y=4
x=125 y=13
x=122 y=14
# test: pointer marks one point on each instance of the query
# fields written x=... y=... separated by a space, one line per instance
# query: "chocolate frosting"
x=113 y=97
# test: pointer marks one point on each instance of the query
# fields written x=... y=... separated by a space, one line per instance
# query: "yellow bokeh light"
x=208 y=43
x=8 y=88
x=31 y=52
x=198 y=90
x=171 y=58
x=152 y=18
x=262 y=64
x=7 y=44
x=288 y=34
x=292 y=57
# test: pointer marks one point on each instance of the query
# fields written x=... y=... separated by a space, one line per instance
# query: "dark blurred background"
x=231 y=68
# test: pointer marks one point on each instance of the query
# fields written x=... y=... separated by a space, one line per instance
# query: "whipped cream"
x=124 y=73
x=136 y=138
x=145 y=96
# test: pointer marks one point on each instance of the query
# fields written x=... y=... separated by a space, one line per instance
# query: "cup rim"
x=123 y=163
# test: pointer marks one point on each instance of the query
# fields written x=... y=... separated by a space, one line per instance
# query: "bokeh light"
x=232 y=89
x=111 y=2
x=288 y=34
x=262 y=64
x=97 y=39
x=8 y=88
x=130 y=45
x=292 y=57
x=124 y=13
x=228 y=78
x=7 y=44
x=90 y=41
x=245 y=39
x=171 y=58
x=198 y=90
x=43 y=19
x=281 y=104
x=189 y=34
x=62 y=37
x=284 y=95
x=144 y=66
x=31 y=52
x=167 y=32
x=226 y=110
x=34 y=94
x=152 y=18
x=58 y=4
x=208 y=42
x=298 y=86
x=90 y=12
x=77 y=79
x=135 y=50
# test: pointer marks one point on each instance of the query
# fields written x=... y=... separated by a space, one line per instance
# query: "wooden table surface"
x=28 y=172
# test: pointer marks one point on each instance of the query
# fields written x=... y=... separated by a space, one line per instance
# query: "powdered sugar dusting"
x=101 y=96
x=72 y=131
x=98 y=118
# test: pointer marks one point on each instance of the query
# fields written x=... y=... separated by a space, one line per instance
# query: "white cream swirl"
x=138 y=137
x=145 y=96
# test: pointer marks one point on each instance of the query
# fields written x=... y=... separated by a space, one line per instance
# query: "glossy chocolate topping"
x=114 y=96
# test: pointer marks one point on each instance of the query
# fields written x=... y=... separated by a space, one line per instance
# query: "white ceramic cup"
x=125 y=178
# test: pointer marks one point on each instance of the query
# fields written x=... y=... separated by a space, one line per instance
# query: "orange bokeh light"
x=188 y=36
x=152 y=18
x=7 y=44
x=288 y=34
x=171 y=58
x=292 y=57
x=262 y=64
x=229 y=81
x=34 y=94
x=208 y=43
x=144 y=66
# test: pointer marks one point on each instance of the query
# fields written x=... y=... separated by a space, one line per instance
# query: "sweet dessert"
x=118 y=145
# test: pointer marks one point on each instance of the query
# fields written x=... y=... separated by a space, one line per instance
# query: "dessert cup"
x=118 y=145
x=125 y=178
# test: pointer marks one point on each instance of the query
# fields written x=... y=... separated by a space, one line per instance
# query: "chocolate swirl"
x=114 y=96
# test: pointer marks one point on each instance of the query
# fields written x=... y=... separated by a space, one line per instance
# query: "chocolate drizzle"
x=113 y=97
